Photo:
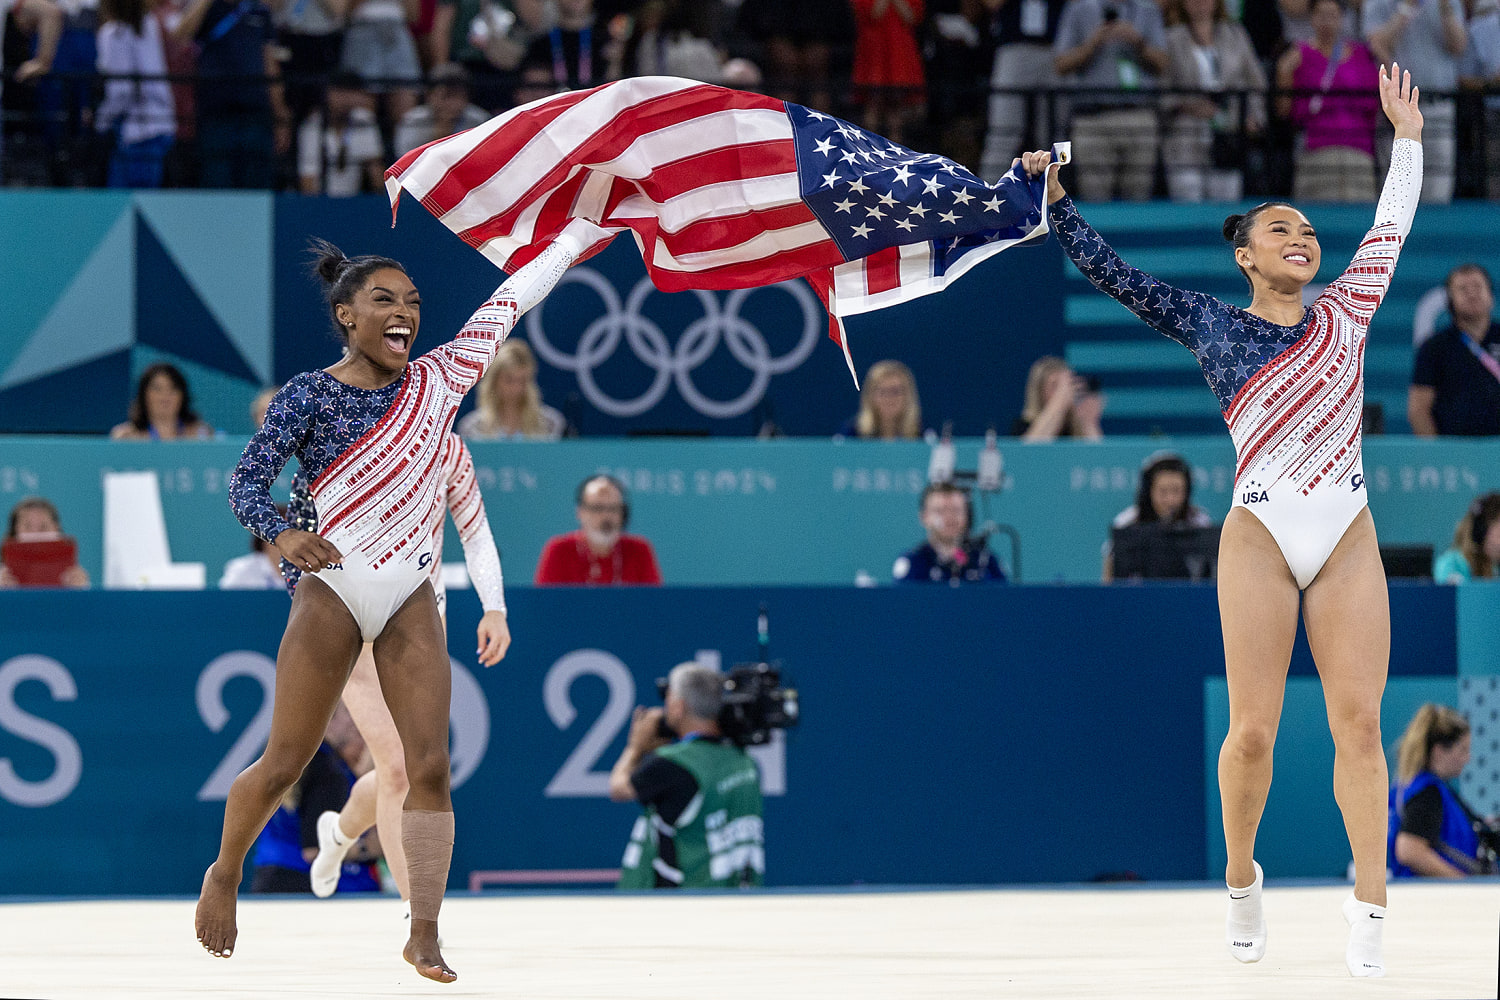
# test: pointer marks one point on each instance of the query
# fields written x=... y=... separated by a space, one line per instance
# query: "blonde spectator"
x=510 y=403
x=259 y=404
x=889 y=409
x=1432 y=832
x=1059 y=403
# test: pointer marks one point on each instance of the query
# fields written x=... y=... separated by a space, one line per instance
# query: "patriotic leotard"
x=1292 y=396
x=374 y=456
x=467 y=507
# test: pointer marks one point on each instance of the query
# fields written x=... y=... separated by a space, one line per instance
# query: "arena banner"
x=947 y=736
x=838 y=512
x=216 y=283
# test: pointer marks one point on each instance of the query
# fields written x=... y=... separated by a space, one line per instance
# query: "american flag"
x=721 y=189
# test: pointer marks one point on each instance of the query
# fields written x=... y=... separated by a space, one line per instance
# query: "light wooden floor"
x=1112 y=942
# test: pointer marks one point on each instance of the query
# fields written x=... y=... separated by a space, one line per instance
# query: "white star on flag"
x=824 y=146
x=993 y=205
x=829 y=180
x=962 y=197
x=903 y=174
x=949 y=218
x=862 y=230
x=906 y=224
x=874 y=213
x=887 y=199
x=858 y=186
x=919 y=210
x=932 y=185
x=844 y=206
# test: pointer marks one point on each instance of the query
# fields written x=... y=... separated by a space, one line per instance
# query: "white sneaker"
x=332 y=846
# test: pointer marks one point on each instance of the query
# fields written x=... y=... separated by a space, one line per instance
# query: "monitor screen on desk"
x=1165 y=552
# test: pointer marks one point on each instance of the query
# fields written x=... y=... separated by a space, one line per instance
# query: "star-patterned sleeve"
x=1362 y=286
x=1171 y=311
x=289 y=421
x=467 y=507
x=301 y=514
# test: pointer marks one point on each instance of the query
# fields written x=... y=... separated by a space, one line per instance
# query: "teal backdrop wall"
x=834 y=510
x=100 y=284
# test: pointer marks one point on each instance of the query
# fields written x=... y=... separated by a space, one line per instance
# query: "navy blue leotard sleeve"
x=289 y=421
x=1171 y=311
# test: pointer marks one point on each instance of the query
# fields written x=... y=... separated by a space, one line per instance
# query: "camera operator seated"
x=948 y=555
x=701 y=826
x=1164 y=501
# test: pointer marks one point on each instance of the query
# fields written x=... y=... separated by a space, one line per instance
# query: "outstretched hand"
x=1035 y=163
x=1399 y=99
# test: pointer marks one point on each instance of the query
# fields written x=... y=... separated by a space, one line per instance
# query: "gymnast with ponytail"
x=369 y=432
x=1299 y=539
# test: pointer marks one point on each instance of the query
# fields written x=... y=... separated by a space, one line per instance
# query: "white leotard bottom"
x=1305 y=528
x=374 y=593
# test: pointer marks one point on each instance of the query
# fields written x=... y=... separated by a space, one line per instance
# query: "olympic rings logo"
x=675 y=365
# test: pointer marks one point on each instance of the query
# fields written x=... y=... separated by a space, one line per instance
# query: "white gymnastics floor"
x=1026 y=943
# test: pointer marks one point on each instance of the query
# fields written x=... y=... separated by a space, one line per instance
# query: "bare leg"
x=1349 y=629
x=366 y=703
x=1258 y=610
x=411 y=658
x=316 y=654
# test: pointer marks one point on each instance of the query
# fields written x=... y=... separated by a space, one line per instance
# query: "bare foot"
x=423 y=953
x=214 y=920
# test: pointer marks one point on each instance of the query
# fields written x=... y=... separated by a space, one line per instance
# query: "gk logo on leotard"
x=1357 y=483
x=675 y=364
x=425 y=560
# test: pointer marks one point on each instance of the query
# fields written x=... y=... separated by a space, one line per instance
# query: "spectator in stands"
x=675 y=38
x=569 y=56
x=259 y=404
x=31 y=30
x=949 y=554
x=1295 y=19
x=1112 y=49
x=447 y=110
x=702 y=822
x=379 y=46
x=1024 y=31
x=341 y=155
x=285 y=848
x=1059 y=403
x=259 y=569
x=509 y=403
x=958 y=56
x=1205 y=148
x=181 y=167
x=138 y=112
x=1433 y=832
x=243 y=120
x=1455 y=381
x=489 y=39
x=1476 y=544
x=1480 y=67
x=888 y=73
x=35 y=519
x=1163 y=495
x=796 y=42
x=1336 y=157
x=889 y=409
x=1428 y=36
x=162 y=409
x=311 y=35
x=599 y=553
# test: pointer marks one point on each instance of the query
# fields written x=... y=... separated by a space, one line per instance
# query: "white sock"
x=1245 y=927
x=1365 y=954
x=332 y=846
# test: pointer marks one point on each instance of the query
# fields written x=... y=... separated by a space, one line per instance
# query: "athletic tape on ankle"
x=428 y=839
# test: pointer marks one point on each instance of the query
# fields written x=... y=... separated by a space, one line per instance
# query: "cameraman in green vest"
x=701 y=825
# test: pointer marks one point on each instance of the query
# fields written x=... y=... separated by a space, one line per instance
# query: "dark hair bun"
x=328 y=261
x=1232 y=224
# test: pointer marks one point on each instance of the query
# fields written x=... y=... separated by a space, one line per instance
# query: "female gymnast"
x=370 y=431
x=377 y=796
x=1290 y=383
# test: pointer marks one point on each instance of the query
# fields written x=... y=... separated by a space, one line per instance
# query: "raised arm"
x=1168 y=310
x=1363 y=284
x=470 y=353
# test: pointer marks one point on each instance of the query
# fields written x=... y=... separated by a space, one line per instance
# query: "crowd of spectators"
x=1188 y=99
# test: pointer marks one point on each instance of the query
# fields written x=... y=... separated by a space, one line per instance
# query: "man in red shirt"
x=599 y=553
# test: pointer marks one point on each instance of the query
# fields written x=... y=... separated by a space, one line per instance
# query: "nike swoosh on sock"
x=1233 y=896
